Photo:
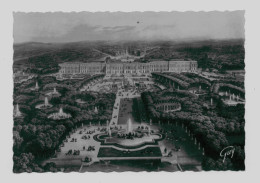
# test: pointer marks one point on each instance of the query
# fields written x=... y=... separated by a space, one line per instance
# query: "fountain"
x=54 y=93
x=108 y=129
x=45 y=105
x=211 y=101
x=46 y=102
x=90 y=123
x=199 y=88
x=36 y=86
x=17 y=112
x=96 y=110
x=226 y=93
x=54 y=90
x=61 y=111
x=59 y=115
x=129 y=136
x=17 y=109
x=109 y=132
x=129 y=126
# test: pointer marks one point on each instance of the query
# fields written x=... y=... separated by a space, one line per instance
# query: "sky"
x=119 y=26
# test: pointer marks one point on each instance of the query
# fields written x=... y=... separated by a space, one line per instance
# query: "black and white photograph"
x=137 y=91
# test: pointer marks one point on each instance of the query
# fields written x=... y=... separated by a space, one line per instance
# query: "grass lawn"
x=125 y=112
x=189 y=153
x=147 y=152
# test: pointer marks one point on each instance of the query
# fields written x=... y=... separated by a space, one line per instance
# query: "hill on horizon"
x=208 y=53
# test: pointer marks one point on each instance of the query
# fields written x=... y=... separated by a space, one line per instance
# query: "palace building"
x=123 y=68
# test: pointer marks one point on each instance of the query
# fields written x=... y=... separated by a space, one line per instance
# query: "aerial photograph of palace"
x=128 y=92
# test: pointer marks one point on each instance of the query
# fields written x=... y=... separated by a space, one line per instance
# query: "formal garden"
x=37 y=137
x=211 y=124
x=201 y=127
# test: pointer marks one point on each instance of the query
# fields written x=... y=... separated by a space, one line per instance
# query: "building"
x=123 y=68
x=82 y=68
x=183 y=66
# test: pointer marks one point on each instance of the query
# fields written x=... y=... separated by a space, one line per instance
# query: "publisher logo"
x=227 y=152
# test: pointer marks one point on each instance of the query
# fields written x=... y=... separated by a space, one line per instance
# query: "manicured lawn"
x=188 y=153
x=147 y=152
x=125 y=112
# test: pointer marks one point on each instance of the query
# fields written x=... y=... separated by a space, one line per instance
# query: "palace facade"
x=120 y=68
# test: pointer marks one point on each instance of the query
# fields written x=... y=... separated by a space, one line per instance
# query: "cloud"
x=92 y=33
x=85 y=26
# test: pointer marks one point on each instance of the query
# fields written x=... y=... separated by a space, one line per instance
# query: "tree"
x=17 y=140
x=216 y=164
x=238 y=159
x=25 y=163
x=50 y=167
